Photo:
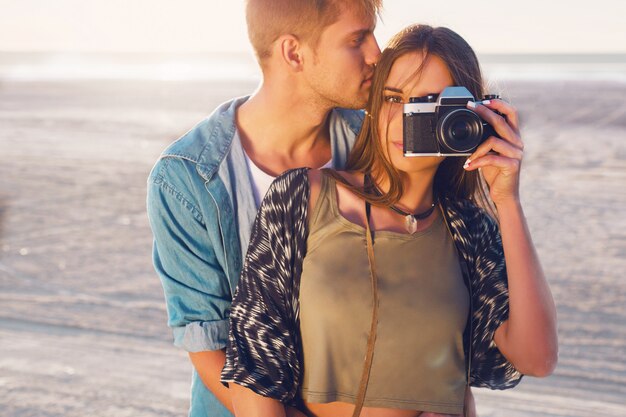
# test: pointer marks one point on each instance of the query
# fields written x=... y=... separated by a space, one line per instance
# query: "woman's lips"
x=398 y=145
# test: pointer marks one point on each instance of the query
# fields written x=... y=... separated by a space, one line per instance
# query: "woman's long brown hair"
x=451 y=180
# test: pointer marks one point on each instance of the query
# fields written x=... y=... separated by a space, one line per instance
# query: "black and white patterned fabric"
x=263 y=350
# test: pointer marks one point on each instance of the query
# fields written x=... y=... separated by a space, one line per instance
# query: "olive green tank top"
x=418 y=359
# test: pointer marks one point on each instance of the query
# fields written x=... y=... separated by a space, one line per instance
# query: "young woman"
x=395 y=285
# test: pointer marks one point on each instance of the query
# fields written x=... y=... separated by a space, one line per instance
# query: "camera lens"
x=460 y=130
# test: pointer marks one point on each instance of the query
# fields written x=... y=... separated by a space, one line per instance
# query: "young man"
x=203 y=193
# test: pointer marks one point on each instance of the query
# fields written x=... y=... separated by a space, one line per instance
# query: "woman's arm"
x=250 y=404
x=247 y=403
x=528 y=338
x=263 y=343
x=208 y=365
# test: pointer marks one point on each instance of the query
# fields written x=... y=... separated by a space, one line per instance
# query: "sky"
x=200 y=26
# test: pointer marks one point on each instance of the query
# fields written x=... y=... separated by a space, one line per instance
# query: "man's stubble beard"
x=356 y=104
x=332 y=99
x=329 y=94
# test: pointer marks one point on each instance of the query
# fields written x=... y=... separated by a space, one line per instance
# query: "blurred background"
x=92 y=91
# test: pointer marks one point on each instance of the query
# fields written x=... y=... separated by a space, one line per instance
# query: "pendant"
x=410 y=223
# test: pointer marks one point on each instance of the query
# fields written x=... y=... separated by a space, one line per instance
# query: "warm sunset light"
x=532 y=26
x=138 y=139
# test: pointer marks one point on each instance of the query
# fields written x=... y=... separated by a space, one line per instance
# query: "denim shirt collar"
x=220 y=139
x=217 y=153
x=218 y=132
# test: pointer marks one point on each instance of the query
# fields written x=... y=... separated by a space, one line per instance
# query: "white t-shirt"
x=261 y=181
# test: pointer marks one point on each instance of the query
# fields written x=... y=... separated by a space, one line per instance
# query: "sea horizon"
x=241 y=66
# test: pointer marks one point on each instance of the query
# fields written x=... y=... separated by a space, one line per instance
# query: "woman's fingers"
x=501 y=162
x=506 y=109
x=506 y=131
x=500 y=156
x=499 y=146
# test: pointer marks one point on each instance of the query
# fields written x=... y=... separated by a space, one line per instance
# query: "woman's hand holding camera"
x=499 y=158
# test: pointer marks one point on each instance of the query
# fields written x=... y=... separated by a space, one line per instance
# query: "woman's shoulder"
x=354 y=178
x=286 y=196
x=316 y=178
x=291 y=184
x=290 y=179
x=302 y=185
x=313 y=176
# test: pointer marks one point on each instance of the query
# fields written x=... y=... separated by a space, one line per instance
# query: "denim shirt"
x=201 y=210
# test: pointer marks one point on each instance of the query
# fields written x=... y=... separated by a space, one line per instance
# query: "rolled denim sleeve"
x=202 y=335
x=195 y=286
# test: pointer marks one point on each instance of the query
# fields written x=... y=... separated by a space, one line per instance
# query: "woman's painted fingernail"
x=467 y=163
x=471 y=104
x=486 y=102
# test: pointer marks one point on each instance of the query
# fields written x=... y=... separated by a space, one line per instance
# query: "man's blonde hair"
x=306 y=19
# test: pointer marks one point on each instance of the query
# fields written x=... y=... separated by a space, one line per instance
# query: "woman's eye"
x=393 y=99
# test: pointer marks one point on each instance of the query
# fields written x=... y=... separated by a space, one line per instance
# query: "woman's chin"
x=416 y=164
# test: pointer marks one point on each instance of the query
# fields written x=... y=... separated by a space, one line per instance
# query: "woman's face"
x=403 y=82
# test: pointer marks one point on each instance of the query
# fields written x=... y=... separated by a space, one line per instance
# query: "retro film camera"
x=442 y=125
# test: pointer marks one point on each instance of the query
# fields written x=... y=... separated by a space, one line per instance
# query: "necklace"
x=410 y=219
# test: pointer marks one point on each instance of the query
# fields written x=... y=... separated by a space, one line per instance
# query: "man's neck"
x=280 y=129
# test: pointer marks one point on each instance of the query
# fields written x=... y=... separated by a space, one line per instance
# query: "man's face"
x=339 y=71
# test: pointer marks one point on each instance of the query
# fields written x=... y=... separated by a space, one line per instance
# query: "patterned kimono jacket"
x=263 y=350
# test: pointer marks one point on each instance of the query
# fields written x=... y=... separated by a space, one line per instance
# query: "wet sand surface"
x=82 y=317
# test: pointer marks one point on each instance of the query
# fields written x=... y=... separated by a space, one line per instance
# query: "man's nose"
x=373 y=51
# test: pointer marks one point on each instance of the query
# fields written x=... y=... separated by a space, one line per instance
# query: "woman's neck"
x=417 y=195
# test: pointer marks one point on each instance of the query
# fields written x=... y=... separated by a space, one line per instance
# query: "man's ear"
x=290 y=49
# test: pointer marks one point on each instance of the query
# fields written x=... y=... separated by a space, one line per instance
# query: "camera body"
x=442 y=125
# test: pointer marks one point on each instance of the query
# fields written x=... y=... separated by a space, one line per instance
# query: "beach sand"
x=82 y=318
